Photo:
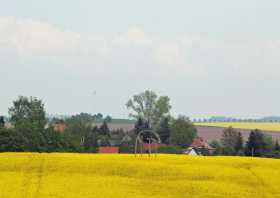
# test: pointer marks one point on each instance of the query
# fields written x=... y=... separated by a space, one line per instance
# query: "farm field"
x=120 y=176
x=265 y=126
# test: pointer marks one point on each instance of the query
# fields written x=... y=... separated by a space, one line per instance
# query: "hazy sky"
x=210 y=57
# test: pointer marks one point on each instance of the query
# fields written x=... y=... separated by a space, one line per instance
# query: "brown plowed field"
x=210 y=133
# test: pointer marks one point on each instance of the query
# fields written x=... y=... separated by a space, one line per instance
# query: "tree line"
x=258 y=144
x=33 y=132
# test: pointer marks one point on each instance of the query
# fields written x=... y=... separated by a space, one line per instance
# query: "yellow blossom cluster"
x=62 y=175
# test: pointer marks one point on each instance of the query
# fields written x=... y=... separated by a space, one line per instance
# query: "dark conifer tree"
x=255 y=144
x=277 y=146
x=104 y=129
x=2 y=122
x=164 y=131
x=239 y=144
x=104 y=135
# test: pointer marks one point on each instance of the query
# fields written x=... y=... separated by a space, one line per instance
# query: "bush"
x=126 y=148
x=170 y=149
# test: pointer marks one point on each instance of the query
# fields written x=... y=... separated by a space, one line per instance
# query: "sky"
x=211 y=58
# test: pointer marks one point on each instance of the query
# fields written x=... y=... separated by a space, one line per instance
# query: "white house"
x=191 y=151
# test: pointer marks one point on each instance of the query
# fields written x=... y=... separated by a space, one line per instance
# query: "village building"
x=190 y=151
x=199 y=147
x=59 y=127
x=9 y=125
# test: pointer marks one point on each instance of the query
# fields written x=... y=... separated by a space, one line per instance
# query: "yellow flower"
x=64 y=175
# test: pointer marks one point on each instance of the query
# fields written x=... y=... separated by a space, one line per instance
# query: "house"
x=190 y=151
x=200 y=147
x=108 y=149
x=59 y=127
x=9 y=125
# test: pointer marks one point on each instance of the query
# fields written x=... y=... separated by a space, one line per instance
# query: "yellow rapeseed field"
x=31 y=175
x=266 y=126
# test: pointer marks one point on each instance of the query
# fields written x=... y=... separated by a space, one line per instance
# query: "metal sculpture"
x=146 y=137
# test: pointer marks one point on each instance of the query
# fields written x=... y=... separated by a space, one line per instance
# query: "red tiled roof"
x=60 y=127
x=9 y=125
x=199 y=143
x=108 y=149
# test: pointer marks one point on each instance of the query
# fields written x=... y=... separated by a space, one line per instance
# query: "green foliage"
x=108 y=119
x=28 y=113
x=11 y=141
x=256 y=144
x=83 y=118
x=148 y=106
x=269 y=144
x=140 y=125
x=171 y=149
x=232 y=142
x=2 y=122
x=217 y=146
x=28 y=117
x=99 y=116
x=164 y=131
x=182 y=132
x=90 y=141
x=127 y=147
x=54 y=141
x=104 y=135
x=75 y=134
x=277 y=146
x=104 y=129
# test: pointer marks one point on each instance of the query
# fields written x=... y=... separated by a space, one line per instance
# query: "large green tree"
x=29 y=118
x=232 y=142
x=28 y=112
x=140 y=125
x=91 y=138
x=75 y=133
x=256 y=143
x=150 y=107
x=182 y=132
x=277 y=146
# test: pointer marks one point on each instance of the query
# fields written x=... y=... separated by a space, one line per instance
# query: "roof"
x=9 y=125
x=198 y=142
x=59 y=127
x=108 y=149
